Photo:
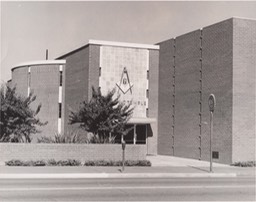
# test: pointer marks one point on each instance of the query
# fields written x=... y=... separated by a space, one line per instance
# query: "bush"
x=18 y=120
x=245 y=164
x=63 y=139
x=51 y=162
x=73 y=162
x=69 y=162
x=25 y=163
x=13 y=163
x=118 y=163
x=105 y=116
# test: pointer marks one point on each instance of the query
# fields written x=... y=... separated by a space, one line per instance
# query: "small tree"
x=17 y=121
x=102 y=116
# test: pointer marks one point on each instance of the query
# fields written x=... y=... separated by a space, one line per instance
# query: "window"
x=60 y=78
x=59 y=110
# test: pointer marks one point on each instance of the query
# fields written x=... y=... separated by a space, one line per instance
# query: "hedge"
x=73 y=162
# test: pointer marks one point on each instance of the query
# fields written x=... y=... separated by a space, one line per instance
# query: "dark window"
x=141 y=134
x=147 y=93
x=148 y=74
x=59 y=110
x=100 y=71
x=215 y=155
x=60 y=78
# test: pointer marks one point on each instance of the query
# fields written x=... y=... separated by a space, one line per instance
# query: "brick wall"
x=187 y=87
x=45 y=85
x=80 y=152
x=166 y=99
x=94 y=66
x=244 y=65
x=217 y=55
x=20 y=79
x=153 y=100
x=203 y=64
x=76 y=83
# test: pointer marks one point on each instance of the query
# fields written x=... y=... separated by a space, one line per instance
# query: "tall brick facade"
x=218 y=59
x=244 y=67
x=76 y=82
x=217 y=79
x=45 y=84
x=87 y=65
x=166 y=98
x=187 y=90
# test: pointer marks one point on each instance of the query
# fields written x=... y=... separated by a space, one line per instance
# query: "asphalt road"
x=174 y=189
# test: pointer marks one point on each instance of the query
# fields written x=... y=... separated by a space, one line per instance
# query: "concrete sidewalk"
x=161 y=160
x=162 y=166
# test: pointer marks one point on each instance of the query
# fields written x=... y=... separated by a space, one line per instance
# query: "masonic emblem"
x=125 y=85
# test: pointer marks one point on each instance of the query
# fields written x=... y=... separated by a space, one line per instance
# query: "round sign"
x=212 y=102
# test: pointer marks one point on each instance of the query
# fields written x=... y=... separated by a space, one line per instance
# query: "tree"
x=18 y=121
x=102 y=115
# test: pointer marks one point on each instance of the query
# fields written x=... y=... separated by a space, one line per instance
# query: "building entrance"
x=137 y=134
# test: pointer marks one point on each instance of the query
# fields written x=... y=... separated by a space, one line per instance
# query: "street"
x=157 y=189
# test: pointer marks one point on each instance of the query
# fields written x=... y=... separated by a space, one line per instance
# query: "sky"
x=29 y=28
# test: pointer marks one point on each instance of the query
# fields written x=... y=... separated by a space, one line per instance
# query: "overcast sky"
x=29 y=28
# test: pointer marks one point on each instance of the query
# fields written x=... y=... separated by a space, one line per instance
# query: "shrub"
x=13 y=163
x=51 y=162
x=118 y=163
x=73 y=162
x=103 y=116
x=69 y=162
x=245 y=164
x=38 y=163
x=96 y=139
x=18 y=121
x=62 y=139
x=25 y=163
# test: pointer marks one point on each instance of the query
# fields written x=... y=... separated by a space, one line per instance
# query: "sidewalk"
x=162 y=166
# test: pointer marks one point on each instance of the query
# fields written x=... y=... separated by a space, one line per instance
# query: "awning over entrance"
x=141 y=120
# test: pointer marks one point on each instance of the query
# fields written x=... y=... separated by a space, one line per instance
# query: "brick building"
x=62 y=84
x=218 y=59
x=44 y=79
x=168 y=84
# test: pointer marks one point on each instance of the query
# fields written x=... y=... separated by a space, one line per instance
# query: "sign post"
x=212 y=104
x=123 y=156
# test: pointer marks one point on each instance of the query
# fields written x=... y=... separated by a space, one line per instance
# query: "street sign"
x=212 y=103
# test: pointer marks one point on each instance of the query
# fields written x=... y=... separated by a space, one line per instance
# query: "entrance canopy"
x=141 y=120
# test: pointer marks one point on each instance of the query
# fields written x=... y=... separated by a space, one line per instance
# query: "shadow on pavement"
x=199 y=169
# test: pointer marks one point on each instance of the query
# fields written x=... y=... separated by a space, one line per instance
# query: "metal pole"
x=123 y=152
x=123 y=160
x=134 y=134
x=211 y=129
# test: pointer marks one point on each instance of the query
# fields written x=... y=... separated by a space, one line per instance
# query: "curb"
x=115 y=175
